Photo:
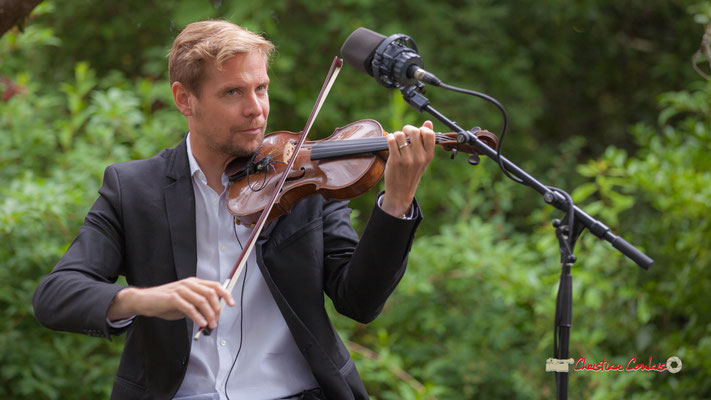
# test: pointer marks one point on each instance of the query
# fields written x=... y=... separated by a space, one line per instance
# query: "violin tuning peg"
x=474 y=159
x=454 y=154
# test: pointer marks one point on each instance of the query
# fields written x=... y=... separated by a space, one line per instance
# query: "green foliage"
x=668 y=181
x=473 y=316
x=55 y=146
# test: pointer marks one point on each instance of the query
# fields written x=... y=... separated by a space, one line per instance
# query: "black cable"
x=567 y=244
x=241 y=312
x=503 y=129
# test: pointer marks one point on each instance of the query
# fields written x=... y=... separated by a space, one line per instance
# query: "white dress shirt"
x=269 y=365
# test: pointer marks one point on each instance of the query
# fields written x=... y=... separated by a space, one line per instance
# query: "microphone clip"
x=394 y=60
x=414 y=96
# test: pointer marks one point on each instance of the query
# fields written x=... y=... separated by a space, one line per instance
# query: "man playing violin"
x=163 y=224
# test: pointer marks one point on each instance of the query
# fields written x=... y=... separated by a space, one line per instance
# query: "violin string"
x=354 y=146
x=346 y=143
x=344 y=149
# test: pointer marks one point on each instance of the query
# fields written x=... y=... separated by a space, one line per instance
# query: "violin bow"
x=231 y=281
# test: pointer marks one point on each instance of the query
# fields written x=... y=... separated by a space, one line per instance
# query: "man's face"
x=230 y=116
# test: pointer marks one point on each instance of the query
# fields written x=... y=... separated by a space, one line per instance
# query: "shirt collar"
x=195 y=170
x=194 y=167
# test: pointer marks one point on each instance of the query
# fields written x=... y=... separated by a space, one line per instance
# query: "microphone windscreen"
x=359 y=48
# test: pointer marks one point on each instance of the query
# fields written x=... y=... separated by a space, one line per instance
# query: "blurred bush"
x=85 y=85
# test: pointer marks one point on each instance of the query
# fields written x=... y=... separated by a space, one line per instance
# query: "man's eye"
x=231 y=92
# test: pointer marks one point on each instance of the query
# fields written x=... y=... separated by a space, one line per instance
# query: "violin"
x=343 y=166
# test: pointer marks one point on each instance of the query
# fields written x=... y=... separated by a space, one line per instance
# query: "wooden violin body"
x=343 y=166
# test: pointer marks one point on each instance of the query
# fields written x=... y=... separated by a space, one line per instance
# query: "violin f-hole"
x=291 y=178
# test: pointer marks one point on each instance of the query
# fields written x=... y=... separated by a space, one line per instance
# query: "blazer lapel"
x=180 y=210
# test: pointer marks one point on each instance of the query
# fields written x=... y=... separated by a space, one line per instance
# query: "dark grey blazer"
x=143 y=226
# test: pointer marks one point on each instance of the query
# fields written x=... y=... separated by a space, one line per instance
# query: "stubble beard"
x=244 y=151
x=237 y=151
x=228 y=148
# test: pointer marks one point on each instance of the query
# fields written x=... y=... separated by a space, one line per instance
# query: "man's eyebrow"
x=232 y=86
x=241 y=86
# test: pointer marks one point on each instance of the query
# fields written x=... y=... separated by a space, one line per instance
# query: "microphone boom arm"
x=420 y=103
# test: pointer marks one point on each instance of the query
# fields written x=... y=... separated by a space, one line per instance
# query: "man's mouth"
x=252 y=131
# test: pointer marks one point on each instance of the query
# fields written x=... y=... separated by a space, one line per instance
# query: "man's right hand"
x=197 y=299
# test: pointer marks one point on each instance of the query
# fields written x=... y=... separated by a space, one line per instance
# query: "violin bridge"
x=289 y=148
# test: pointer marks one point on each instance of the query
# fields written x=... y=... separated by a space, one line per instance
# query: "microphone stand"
x=567 y=232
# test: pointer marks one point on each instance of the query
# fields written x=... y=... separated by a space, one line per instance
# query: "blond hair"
x=204 y=41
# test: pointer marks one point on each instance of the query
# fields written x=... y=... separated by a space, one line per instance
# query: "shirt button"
x=223 y=249
x=223 y=342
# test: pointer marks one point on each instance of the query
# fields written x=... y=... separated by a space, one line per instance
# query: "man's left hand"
x=406 y=164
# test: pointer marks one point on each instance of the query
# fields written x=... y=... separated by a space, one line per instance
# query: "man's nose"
x=252 y=105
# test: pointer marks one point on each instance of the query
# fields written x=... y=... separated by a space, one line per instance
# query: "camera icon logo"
x=556 y=365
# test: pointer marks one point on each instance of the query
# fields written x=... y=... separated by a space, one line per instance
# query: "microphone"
x=392 y=61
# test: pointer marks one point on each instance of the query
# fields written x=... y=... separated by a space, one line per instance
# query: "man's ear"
x=181 y=97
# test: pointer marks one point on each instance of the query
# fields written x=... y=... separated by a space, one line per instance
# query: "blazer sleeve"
x=360 y=280
x=76 y=295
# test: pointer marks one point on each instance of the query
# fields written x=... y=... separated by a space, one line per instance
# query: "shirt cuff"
x=409 y=215
x=121 y=323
